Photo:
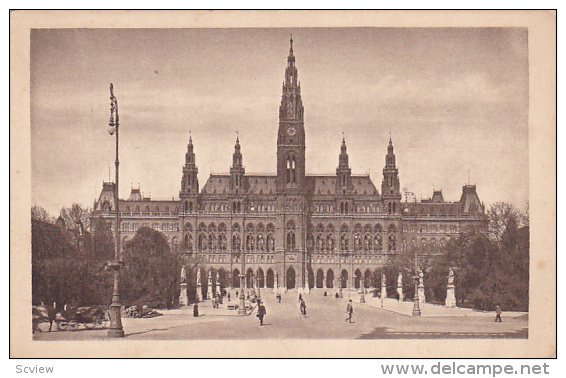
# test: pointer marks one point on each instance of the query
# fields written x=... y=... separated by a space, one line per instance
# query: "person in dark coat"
x=498 y=313
x=228 y=295
x=349 y=311
x=278 y=296
x=303 y=308
x=300 y=298
x=261 y=313
x=195 y=310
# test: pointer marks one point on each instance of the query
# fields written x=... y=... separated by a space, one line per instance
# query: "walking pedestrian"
x=261 y=313
x=300 y=298
x=498 y=313
x=278 y=296
x=303 y=308
x=349 y=311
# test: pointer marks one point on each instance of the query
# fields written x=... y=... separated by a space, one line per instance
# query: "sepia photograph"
x=266 y=183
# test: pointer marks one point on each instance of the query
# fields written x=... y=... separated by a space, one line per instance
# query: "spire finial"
x=237 y=137
x=390 y=142
x=291 y=45
x=190 y=137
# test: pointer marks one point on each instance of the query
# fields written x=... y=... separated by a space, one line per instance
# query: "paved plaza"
x=325 y=320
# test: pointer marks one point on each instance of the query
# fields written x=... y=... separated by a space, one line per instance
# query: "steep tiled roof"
x=217 y=184
x=363 y=185
x=322 y=185
x=261 y=184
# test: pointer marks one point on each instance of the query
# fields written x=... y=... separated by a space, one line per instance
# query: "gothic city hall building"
x=293 y=230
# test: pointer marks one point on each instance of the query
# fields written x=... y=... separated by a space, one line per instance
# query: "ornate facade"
x=291 y=229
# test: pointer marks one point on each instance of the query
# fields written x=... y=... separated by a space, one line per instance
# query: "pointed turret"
x=189 y=183
x=237 y=170
x=390 y=185
x=343 y=172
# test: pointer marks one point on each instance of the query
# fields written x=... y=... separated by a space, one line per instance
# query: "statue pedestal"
x=183 y=297
x=450 y=296
x=384 y=292
x=400 y=292
x=362 y=298
x=275 y=289
x=422 y=298
x=307 y=290
x=198 y=294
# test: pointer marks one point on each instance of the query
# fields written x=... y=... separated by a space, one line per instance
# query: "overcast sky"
x=454 y=100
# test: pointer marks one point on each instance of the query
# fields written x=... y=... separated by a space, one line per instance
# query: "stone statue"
x=421 y=275
x=451 y=277
x=400 y=280
x=183 y=275
x=198 y=277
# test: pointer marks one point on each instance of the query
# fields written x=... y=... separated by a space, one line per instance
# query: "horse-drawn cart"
x=90 y=317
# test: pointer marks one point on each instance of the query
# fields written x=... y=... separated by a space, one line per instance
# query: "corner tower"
x=189 y=183
x=291 y=134
x=237 y=170
x=390 y=193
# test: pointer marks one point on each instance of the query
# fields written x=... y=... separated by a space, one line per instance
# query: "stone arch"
x=330 y=279
x=344 y=278
x=358 y=279
x=235 y=278
x=260 y=278
x=375 y=278
x=319 y=279
x=290 y=278
x=270 y=279
x=311 y=278
x=249 y=278
x=367 y=279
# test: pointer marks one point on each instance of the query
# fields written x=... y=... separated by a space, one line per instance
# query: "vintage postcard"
x=283 y=184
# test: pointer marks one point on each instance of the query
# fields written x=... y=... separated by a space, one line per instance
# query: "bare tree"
x=500 y=213
x=40 y=214
x=76 y=215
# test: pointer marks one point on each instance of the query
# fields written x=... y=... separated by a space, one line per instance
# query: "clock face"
x=291 y=131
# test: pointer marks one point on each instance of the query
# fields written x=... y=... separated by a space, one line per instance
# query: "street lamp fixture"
x=416 y=306
x=242 y=306
x=116 y=329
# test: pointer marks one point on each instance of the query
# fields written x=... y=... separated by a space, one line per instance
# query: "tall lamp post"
x=416 y=306
x=242 y=306
x=115 y=329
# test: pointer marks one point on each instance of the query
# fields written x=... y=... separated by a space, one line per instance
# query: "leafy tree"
x=152 y=273
x=60 y=273
x=101 y=243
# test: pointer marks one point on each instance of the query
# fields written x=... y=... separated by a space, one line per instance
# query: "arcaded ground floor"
x=325 y=320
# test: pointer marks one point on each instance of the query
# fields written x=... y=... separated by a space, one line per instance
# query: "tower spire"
x=291 y=45
x=189 y=182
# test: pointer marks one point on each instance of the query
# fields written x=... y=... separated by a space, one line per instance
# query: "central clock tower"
x=291 y=256
x=291 y=135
